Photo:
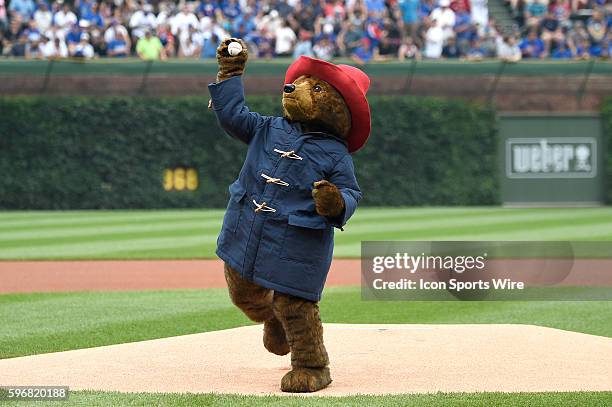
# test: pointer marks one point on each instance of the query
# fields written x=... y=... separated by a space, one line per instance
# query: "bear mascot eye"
x=317 y=88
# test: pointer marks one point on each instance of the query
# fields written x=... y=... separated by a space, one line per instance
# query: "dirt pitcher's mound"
x=373 y=359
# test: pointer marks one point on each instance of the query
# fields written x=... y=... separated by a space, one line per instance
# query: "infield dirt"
x=365 y=359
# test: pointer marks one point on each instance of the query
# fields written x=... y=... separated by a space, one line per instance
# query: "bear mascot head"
x=296 y=185
x=328 y=98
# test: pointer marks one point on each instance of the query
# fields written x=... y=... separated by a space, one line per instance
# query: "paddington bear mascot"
x=296 y=185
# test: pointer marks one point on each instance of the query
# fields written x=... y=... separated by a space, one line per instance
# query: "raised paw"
x=328 y=199
x=305 y=380
x=274 y=338
x=231 y=65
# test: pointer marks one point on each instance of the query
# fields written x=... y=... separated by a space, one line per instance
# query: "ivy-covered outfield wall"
x=129 y=152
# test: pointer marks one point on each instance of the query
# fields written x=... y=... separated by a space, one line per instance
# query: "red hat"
x=350 y=82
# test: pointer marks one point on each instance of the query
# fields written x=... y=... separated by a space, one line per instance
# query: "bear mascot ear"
x=352 y=84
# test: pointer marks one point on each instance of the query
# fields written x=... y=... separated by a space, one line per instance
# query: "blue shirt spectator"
x=25 y=8
x=207 y=8
x=230 y=9
x=561 y=52
x=209 y=47
x=117 y=48
x=532 y=46
x=463 y=22
x=85 y=9
x=536 y=9
x=74 y=35
x=375 y=5
x=410 y=10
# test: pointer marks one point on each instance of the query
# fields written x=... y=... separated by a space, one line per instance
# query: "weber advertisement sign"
x=551 y=157
x=551 y=160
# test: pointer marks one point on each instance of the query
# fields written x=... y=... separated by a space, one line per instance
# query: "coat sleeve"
x=343 y=176
x=233 y=116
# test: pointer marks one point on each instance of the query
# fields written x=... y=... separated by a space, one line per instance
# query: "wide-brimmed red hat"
x=350 y=82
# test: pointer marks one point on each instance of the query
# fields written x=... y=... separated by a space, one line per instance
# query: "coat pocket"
x=233 y=212
x=306 y=239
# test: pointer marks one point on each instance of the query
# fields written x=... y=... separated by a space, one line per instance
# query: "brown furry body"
x=293 y=324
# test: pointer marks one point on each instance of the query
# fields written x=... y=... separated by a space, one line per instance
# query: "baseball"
x=234 y=48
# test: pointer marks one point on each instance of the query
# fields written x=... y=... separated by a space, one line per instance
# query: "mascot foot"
x=274 y=338
x=305 y=380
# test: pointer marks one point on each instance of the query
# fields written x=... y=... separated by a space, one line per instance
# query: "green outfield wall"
x=133 y=152
x=529 y=85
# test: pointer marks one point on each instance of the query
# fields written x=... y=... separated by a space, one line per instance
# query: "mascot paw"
x=231 y=65
x=305 y=380
x=328 y=199
x=274 y=338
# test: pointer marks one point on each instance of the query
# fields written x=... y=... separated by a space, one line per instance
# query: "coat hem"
x=287 y=290
x=265 y=283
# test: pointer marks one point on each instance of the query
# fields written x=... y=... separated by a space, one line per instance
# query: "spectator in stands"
x=532 y=46
x=551 y=31
x=142 y=20
x=64 y=18
x=451 y=50
x=83 y=49
x=150 y=48
x=464 y=29
x=24 y=8
x=364 y=53
x=596 y=28
x=183 y=19
x=209 y=47
x=94 y=16
x=409 y=50
x=434 y=40
x=285 y=40
x=166 y=38
x=118 y=46
x=410 y=16
x=73 y=37
x=18 y=48
x=304 y=45
x=349 y=38
x=608 y=46
x=114 y=30
x=3 y=20
x=54 y=48
x=479 y=12
x=43 y=17
x=190 y=45
x=445 y=19
x=508 y=49
x=476 y=52
x=534 y=13
x=324 y=48
x=561 y=51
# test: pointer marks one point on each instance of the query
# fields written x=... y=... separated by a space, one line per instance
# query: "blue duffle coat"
x=271 y=232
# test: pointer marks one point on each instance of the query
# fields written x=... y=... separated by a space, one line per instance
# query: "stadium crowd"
x=364 y=30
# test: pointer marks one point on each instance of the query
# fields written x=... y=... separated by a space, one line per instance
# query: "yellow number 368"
x=180 y=179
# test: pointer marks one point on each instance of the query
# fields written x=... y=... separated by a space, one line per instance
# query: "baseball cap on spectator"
x=84 y=37
x=444 y=3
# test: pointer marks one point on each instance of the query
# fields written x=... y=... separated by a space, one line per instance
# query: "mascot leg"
x=302 y=324
x=256 y=303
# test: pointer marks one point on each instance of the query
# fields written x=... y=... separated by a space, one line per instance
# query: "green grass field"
x=40 y=323
x=193 y=233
